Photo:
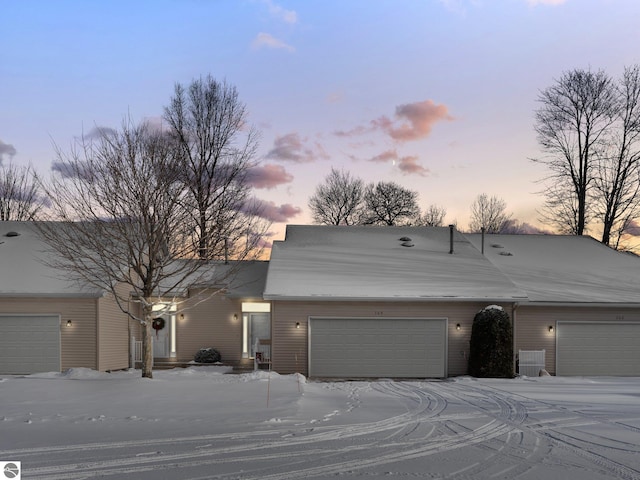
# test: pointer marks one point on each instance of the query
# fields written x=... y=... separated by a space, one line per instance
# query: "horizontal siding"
x=78 y=341
x=113 y=335
x=532 y=325
x=208 y=321
x=290 y=344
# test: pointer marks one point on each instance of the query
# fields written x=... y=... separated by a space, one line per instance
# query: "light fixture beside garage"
x=458 y=326
x=297 y=324
x=69 y=323
x=551 y=328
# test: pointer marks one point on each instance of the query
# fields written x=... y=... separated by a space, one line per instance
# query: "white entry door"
x=162 y=338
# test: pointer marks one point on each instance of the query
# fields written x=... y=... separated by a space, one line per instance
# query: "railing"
x=136 y=352
x=262 y=354
x=530 y=362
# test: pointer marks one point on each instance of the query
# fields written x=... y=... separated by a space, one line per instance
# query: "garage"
x=29 y=344
x=377 y=347
x=598 y=348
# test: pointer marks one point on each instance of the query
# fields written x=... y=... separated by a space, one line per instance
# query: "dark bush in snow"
x=207 y=355
x=491 y=347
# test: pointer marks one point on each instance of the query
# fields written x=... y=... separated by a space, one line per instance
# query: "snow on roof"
x=562 y=268
x=371 y=263
x=23 y=269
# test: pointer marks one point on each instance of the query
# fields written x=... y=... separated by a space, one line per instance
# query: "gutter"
x=328 y=298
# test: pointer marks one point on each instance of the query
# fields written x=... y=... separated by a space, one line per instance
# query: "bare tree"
x=20 y=197
x=617 y=180
x=339 y=200
x=488 y=213
x=123 y=224
x=575 y=114
x=433 y=216
x=217 y=150
x=387 y=203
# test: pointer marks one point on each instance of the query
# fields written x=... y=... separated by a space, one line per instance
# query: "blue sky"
x=436 y=95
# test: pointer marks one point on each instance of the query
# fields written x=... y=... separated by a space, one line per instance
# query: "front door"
x=162 y=336
x=259 y=327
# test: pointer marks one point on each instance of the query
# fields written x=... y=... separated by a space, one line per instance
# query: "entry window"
x=256 y=325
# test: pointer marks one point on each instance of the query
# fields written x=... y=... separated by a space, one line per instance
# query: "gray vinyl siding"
x=113 y=336
x=78 y=342
x=290 y=344
x=532 y=325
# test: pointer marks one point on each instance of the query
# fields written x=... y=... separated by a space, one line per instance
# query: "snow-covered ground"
x=200 y=423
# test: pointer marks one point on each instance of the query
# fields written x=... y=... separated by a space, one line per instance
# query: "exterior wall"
x=208 y=321
x=290 y=344
x=532 y=325
x=78 y=341
x=113 y=336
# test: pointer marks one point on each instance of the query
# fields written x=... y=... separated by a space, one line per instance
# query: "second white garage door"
x=29 y=344
x=593 y=348
x=375 y=347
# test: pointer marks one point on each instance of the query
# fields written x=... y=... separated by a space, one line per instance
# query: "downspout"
x=514 y=307
x=451 y=227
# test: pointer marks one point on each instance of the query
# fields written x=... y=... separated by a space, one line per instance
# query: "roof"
x=564 y=268
x=24 y=269
x=24 y=260
x=370 y=263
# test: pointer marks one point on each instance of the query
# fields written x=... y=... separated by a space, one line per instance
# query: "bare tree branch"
x=20 y=197
x=339 y=200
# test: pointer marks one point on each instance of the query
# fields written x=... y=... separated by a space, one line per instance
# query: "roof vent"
x=404 y=239
x=506 y=254
x=12 y=234
x=407 y=244
x=497 y=245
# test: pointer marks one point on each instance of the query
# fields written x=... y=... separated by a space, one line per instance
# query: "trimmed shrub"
x=207 y=355
x=491 y=346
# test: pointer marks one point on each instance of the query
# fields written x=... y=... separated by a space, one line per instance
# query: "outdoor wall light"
x=182 y=316
x=235 y=317
x=68 y=323
x=297 y=324
x=458 y=327
x=551 y=329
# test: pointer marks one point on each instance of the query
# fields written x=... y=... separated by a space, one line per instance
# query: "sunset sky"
x=436 y=95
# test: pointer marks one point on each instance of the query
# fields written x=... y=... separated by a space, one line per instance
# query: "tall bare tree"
x=572 y=123
x=20 y=197
x=488 y=213
x=433 y=216
x=217 y=150
x=387 y=203
x=339 y=200
x=617 y=179
x=122 y=221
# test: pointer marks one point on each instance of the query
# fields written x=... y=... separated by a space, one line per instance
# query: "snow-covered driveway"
x=198 y=423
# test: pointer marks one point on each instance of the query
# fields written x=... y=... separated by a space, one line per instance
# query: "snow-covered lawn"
x=200 y=423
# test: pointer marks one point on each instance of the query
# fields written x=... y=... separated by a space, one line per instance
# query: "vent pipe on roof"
x=226 y=250
x=482 y=244
x=451 y=227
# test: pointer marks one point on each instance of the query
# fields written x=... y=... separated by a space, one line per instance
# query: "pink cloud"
x=388 y=156
x=633 y=229
x=268 y=176
x=266 y=40
x=416 y=120
x=411 y=121
x=292 y=148
x=409 y=165
x=276 y=213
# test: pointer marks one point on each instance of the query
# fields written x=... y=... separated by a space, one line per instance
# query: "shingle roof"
x=370 y=263
x=562 y=268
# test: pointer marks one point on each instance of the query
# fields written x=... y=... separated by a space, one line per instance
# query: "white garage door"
x=29 y=344
x=585 y=349
x=375 y=347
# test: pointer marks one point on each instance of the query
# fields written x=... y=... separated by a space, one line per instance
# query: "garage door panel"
x=403 y=348
x=29 y=344
x=605 y=348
